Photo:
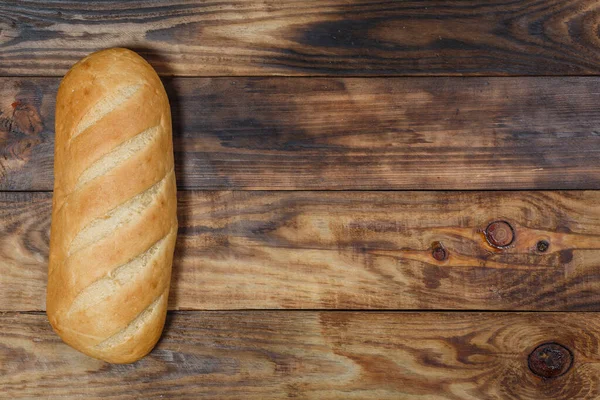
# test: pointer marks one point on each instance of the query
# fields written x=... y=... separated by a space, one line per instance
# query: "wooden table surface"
x=339 y=164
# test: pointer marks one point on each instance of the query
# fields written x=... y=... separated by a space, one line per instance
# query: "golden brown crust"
x=114 y=220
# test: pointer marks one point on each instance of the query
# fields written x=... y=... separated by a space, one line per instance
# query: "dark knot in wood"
x=438 y=251
x=542 y=246
x=550 y=360
x=500 y=234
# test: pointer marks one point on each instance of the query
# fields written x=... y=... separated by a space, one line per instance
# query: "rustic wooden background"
x=338 y=165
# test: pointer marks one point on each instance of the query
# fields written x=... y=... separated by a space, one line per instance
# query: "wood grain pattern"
x=298 y=133
x=349 y=250
x=24 y=239
x=314 y=355
x=27 y=133
x=333 y=125
x=290 y=37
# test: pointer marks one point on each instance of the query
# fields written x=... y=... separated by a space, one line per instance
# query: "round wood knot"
x=439 y=252
x=499 y=234
x=542 y=246
x=550 y=360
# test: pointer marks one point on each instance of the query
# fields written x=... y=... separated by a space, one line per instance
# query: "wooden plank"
x=315 y=355
x=290 y=37
x=349 y=250
x=24 y=238
x=284 y=133
x=27 y=133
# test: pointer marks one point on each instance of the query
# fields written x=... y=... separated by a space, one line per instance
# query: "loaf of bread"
x=114 y=219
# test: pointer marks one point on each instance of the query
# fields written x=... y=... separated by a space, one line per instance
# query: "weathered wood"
x=284 y=133
x=24 y=237
x=349 y=250
x=334 y=37
x=27 y=133
x=315 y=355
